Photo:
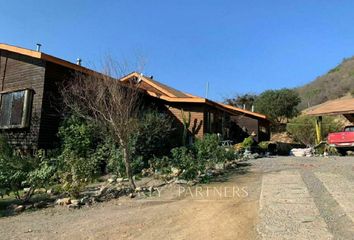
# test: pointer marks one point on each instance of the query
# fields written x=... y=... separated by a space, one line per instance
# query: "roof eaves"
x=46 y=57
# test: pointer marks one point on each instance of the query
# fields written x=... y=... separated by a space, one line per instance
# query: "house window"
x=15 y=109
x=210 y=121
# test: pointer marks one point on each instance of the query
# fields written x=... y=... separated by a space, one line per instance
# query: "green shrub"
x=303 y=129
x=153 y=137
x=184 y=159
x=207 y=149
x=248 y=142
x=18 y=172
x=196 y=159
x=263 y=146
x=77 y=163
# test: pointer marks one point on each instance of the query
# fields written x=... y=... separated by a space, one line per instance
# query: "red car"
x=342 y=141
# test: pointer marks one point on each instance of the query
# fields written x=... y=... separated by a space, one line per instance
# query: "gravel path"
x=268 y=198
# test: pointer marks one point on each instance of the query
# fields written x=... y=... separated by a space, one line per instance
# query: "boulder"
x=119 y=180
x=111 y=180
x=75 y=201
x=19 y=208
x=40 y=190
x=181 y=181
x=63 y=201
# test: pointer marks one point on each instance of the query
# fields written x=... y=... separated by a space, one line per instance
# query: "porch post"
x=319 y=129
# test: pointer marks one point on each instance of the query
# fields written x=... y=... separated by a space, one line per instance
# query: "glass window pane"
x=17 y=107
x=5 y=111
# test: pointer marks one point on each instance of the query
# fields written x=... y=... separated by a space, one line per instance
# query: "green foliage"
x=184 y=159
x=77 y=163
x=18 y=172
x=248 y=142
x=303 y=129
x=208 y=149
x=153 y=137
x=278 y=105
x=263 y=145
x=196 y=159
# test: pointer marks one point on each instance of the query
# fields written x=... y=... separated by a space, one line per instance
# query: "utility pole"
x=207 y=90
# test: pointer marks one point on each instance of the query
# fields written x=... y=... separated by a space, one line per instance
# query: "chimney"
x=78 y=61
x=38 y=47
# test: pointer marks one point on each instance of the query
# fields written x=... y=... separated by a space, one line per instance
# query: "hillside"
x=337 y=83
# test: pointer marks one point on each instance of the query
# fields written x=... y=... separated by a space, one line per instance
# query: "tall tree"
x=105 y=100
x=278 y=105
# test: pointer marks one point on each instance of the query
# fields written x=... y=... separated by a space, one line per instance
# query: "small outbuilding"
x=343 y=107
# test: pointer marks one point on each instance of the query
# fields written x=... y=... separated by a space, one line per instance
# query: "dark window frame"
x=23 y=120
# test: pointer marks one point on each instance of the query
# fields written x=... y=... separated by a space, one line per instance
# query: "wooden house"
x=206 y=116
x=29 y=114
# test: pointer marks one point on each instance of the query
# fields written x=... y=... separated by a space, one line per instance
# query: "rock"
x=75 y=201
x=41 y=204
x=26 y=190
x=50 y=191
x=63 y=201
x=85 y=200
x=102 y=190
x=175 y=171
x=111 y=180
x=131 y=195
x=138 y=189
x=119 y=180
x=19 y=208
x=73 y=206
x=219 y=166
x=40 y=190
x=181 y=181
x=28 y=207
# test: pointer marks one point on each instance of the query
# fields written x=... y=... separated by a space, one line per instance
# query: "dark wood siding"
x=51 y=117
x=19 y=72
x=196 y=111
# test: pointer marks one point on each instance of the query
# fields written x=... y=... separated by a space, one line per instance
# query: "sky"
x=235 y=46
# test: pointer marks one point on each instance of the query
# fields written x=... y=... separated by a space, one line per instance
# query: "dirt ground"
x=268 y=198
x=179 y=212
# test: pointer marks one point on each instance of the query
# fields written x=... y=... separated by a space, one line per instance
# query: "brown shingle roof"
x=173 y=95
x=175 y=92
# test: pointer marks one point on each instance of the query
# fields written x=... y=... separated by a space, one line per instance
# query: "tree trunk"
x=128 y=169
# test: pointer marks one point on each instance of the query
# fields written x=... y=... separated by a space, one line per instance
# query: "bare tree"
x=110 y=103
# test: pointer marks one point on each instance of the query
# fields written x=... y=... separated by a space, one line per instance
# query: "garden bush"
x=184 y=159
x=303 y=130
x=77 y=163
x=248 y=142
x=196 y=159
x=153 y=138
x=18 y=172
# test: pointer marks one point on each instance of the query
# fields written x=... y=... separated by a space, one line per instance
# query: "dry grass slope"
x=337 y=83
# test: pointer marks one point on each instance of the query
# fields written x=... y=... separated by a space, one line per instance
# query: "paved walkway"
x=307 y=199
